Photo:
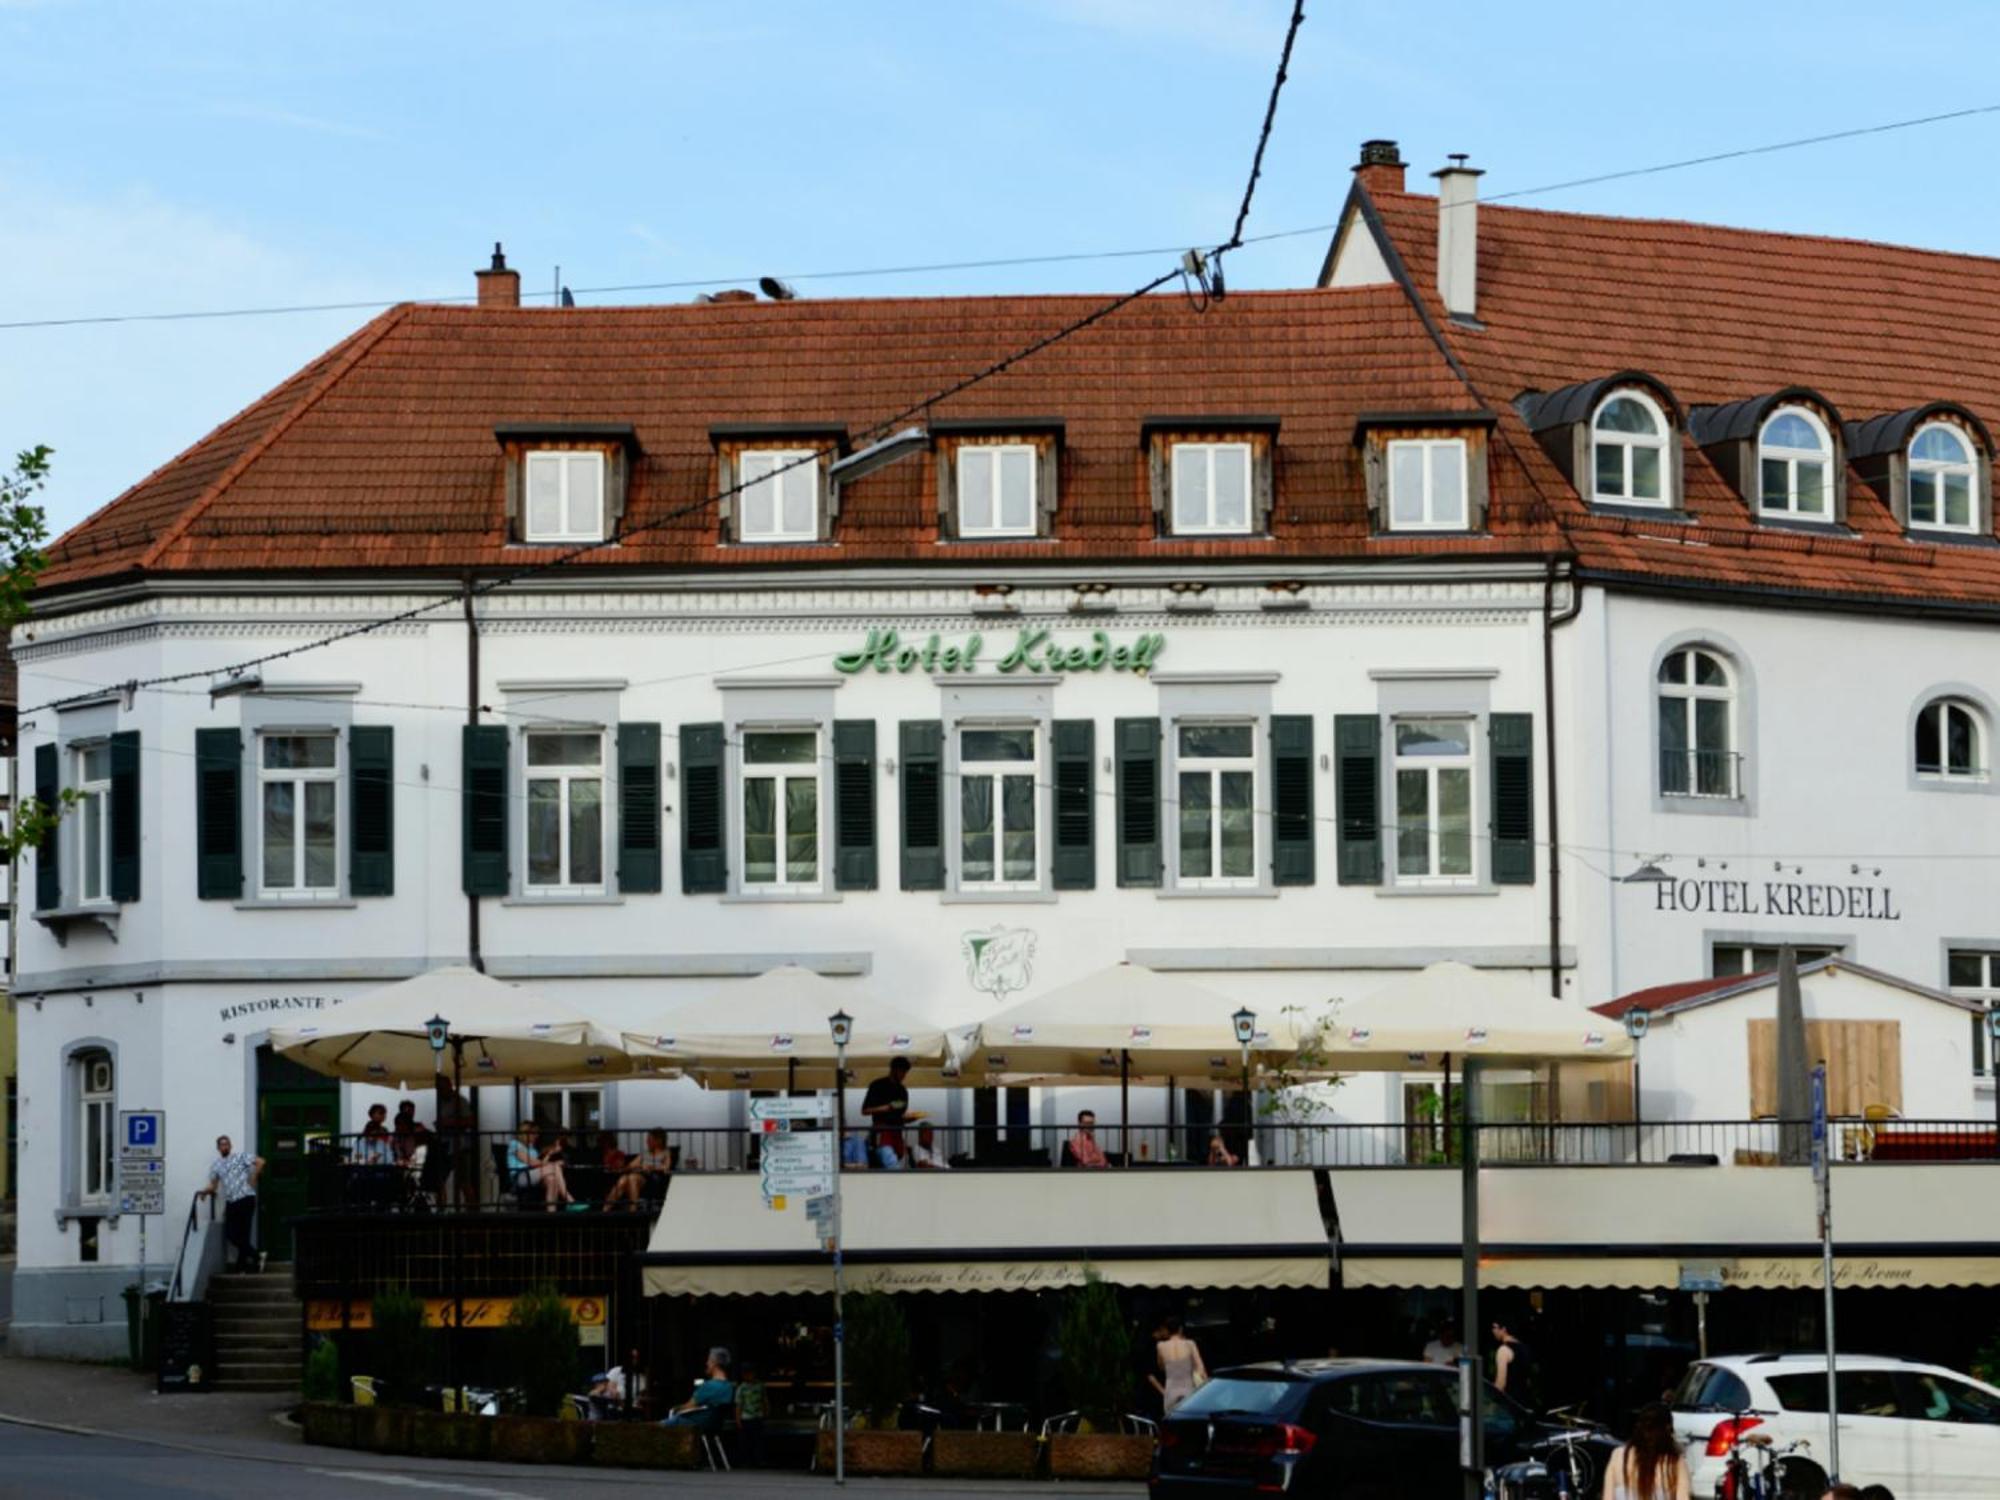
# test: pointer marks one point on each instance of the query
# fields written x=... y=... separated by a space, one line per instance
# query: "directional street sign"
x=791 y=1109
x=142 y=1164
x=796 y=1162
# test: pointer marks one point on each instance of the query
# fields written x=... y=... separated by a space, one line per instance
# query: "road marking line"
x=437 y=1485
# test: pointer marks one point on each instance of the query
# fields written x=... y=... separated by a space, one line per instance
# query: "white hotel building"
x=1289 y=645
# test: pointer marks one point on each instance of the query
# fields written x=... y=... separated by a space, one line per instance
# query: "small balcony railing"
x=1701 y=773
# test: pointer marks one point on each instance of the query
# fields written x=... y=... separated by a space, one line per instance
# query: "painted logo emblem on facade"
x=1475 y=1036
x=1142 y=1036
x=1359 y=1036
x=999 y=961
x=782 y=1042
x=1593 y=1039
x=898 y=1041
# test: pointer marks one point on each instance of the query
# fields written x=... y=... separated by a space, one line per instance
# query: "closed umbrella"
x=1794 y=1089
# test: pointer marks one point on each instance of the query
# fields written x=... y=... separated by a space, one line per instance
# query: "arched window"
x=96 y=1096
x=1951 y=741
x=1942 y=483
x=1697 y=725
x=1628 y=439
x=1795 y=460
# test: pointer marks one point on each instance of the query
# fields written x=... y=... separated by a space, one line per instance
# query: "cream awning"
x=1450 y=1009
x=1655 y=1273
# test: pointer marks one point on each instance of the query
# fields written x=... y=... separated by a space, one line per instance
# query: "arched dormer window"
x=1628 y=438
x=1795 y=466
x=1698 y=754
x=1943 y=483
x=1951 y=741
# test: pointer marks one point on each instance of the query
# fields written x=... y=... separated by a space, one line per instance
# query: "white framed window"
x=996 y=489
x=1725 y=959
x=1427 y=484
x=999 y=808
x=564 y=828
x=1628 y=451
x=1215 y=771
x=781 y=810
x=1943 y=485
x=1211 y=484
x=1697 y=725
x=779 y=498
x=1974 y=974
x=1795 y=466
x=96 y=1126
x=580 y=1112
x=565 y=497
x=93 y=821
x=1951 y=741
x=298 y=813
x=1433 y=771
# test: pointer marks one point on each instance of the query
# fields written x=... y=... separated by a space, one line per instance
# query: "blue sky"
x=223 y=153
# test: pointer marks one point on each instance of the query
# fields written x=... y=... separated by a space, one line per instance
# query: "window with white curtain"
x=781 y=810
x=996 y=489
x=565 y=500
x=564 y=826
x=1427 y=490
x=779 y=498
x=1433 y=776
x=999 y=822
x=1211 y=483
x=1215 y=769
x=298 y=814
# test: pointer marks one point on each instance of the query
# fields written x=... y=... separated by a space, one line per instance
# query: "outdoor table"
x=996 y=1410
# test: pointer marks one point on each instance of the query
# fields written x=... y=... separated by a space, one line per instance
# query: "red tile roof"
x=382 y=454
x=1719 y=314
x=1660 y=996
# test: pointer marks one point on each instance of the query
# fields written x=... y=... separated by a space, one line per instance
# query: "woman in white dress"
x=1181 y=1369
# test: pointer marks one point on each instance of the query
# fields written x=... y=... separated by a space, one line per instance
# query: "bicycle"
x=1574 y=1470
x=1778 y=1473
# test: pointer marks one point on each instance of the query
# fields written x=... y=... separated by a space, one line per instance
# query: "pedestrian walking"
x=234 y=1174
x=1516 y=1368
x=1181 y=1370
x=1650 y=1466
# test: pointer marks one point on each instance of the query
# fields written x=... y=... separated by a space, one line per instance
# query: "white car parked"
x=1924 y=1431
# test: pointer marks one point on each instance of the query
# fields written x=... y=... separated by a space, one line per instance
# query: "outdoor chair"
x=526 y=1197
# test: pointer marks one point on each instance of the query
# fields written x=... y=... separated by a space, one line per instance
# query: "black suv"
x=1358 y=1429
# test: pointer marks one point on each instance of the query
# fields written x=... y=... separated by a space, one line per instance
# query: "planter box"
x=644 y=1445
x=985 y=1455
x=539 y=1440
x=384 y=1429
x=435 y=1434
x=1100 y=1456
x=327 y=1424
x=876 y=1452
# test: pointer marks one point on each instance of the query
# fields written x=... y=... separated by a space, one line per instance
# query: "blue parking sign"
x=145 y=1132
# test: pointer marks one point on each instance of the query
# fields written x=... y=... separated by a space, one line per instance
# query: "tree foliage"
x=23 y=528
x=1096 y=1353
x=878 y=1357
x=544 y=1351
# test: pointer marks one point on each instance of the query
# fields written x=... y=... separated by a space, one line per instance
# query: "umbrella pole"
x=1125 y=1105
x=1472 y=1432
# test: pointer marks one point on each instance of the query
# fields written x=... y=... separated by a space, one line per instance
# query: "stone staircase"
x=257 y=1321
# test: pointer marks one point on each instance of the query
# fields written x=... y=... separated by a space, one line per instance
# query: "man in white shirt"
x=234 y=1175
x=925 y=1153
x=1444 y=1349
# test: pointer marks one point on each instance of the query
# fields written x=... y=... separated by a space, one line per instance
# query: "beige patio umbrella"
x=772 y=1032
x=494 y=1030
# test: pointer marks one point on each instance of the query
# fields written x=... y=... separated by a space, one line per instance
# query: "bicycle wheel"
x=1794 y=1478
x=1583 y=1471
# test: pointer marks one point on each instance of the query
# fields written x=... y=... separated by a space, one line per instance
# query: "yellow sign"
x=323 y=1314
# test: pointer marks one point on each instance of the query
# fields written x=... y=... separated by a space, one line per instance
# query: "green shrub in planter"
x=1096 y=1354
x=436 y=1434
x=403 y=1346
x=643 y=1445
x=878 y=1358
x=544 y=1354
x=322 y=1372
x=328 y=1424
x=539 y=1440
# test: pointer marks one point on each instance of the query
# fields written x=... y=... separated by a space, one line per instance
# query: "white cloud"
x=291 y=119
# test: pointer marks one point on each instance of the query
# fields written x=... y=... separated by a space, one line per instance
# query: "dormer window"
x=996 y=489
x=1628 y=451
x=780 y=497
x=565 y=497
x=1943 y=483
x=1211 y=489
x=1794 y=465
x=1427 y=490
x=1211 y=476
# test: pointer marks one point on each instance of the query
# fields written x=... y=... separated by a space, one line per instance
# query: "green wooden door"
x=295 y=1108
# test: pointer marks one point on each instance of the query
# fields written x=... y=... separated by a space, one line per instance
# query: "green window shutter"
x=124 y=883
x=920 y=745
x=48 y=792
x=854 y=855
x=1357 y=747
x=371 y=810
x=639 y=800
x=1512 y=737
x=1076 y=805
x=218 y=814
x=704 y=852
x=1138 y=797
x=1292 y=828
x=484 y=821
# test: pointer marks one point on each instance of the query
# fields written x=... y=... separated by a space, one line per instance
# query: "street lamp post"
x=437 y=1030
x=841 y=1025
x=1636 y=1023
x=1245 y=1021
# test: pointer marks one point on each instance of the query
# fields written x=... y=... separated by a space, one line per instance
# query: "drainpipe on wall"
x=472 y=953
x=1550 y=620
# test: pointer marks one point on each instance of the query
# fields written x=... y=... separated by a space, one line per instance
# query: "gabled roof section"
x=1720 y=315
x=382 y=454
x=1691 y=994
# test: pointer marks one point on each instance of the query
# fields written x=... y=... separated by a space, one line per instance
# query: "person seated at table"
x=609 y=1156
x=642 y=1174
x=1083 y=1148
x=528 y=1168
x=375 y=1149
x=925 y=1153
x=853 y=1151
x=622 y=1387
x=713 y=1400
x=1219 y=1154
x=408 y=1132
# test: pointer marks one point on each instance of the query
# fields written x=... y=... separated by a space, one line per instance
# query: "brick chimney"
x=498 y=286
x=1380 y=169
x=1458 y=237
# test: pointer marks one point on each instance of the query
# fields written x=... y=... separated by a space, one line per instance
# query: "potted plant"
x=1097 y=1376
x=400 y=1347
x=878 y=1378
x=544 y=1359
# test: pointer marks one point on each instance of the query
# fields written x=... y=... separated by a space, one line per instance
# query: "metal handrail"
x=187 y=1236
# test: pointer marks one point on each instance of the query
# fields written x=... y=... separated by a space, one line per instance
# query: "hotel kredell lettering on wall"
x=1777 y=898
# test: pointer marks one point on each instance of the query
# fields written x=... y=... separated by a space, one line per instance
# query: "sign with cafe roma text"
x=1031 y=650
